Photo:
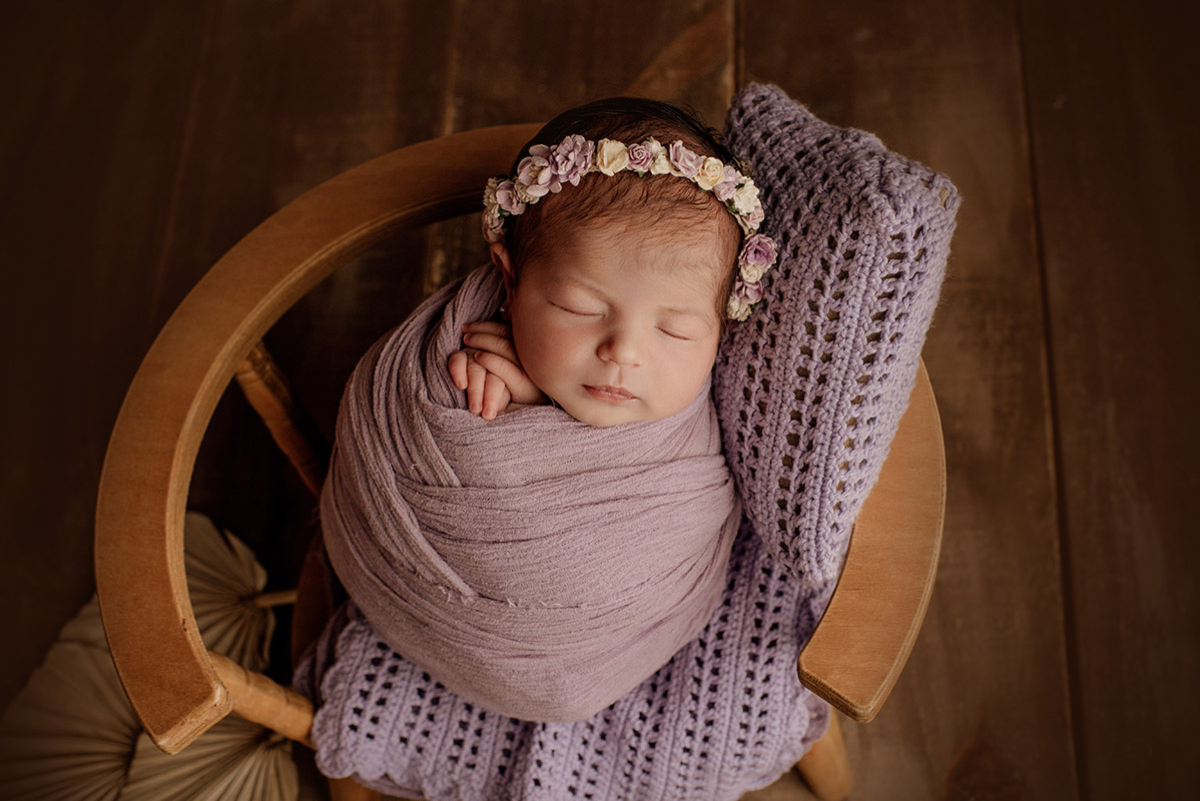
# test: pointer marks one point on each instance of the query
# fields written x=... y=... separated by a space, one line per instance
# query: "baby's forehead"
x=653 y=244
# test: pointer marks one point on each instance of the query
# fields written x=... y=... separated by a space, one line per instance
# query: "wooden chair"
x=179 y=689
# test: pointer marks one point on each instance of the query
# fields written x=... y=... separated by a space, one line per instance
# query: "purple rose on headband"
x=684 y=162
x=640 y=157
x=572 y=158
x=728 y=185
x=748 y=291
x=759 y=251
x=506 y=197
x=534 y=173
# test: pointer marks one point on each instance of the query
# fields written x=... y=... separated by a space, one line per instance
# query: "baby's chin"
x=600 y=418
x=600 y=414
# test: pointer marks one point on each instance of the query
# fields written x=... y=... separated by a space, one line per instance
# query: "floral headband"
x=547 y=168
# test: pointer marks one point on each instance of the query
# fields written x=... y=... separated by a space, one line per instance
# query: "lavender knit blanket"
x=811 y=388
x=539 y=567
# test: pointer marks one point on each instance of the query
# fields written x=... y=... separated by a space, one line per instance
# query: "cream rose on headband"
x=712 y=171
x=546 y=169
x=745 y=197
x=611 y=157
x=659 y=163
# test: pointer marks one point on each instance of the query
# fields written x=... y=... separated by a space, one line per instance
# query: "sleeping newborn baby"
x=527 y=496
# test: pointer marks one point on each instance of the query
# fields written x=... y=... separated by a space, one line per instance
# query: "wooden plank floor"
x=1059 y=659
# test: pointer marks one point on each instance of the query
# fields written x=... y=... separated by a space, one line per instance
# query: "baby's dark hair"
x=677 y=203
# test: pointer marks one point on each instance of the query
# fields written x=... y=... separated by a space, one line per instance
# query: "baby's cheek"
x=691 y=374
x=536 y=356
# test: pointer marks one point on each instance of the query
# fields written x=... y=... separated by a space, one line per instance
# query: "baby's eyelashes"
x=578 y=312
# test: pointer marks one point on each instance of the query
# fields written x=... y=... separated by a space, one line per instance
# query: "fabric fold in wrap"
x=533 y=564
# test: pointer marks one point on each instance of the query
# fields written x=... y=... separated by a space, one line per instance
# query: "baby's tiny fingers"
x=495 y=396
x=476 y=378
x=492 y=343
x=520 y=386
x=488 y=327
x=458 y=368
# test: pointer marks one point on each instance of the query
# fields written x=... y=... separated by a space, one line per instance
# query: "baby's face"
x=617 y=327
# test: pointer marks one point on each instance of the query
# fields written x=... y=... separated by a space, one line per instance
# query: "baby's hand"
x=490 y=372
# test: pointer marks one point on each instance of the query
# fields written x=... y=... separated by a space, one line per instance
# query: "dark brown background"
x=1059 y=656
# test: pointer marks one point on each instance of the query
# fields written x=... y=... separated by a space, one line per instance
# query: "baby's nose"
x=623 y=348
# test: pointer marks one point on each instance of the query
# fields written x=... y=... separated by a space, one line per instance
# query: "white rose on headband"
x=745 y=197
x=755 y=217
x=712 y=171
x=611 y=157
x=659 y=164
x=737 y=309
x=751 y=272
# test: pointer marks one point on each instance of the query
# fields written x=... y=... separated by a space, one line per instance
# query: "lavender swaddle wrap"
x=535 y=565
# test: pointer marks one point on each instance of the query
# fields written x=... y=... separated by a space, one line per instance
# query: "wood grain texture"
x=89 y=146
x=1115 y=170
x=825 y=767
x=260 y=700
x=981 y=709
x=269 y=393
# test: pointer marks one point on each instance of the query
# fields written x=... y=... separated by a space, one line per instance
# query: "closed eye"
x=674 y=335
x=576 y=312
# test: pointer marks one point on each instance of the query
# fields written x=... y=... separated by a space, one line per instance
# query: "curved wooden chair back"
x=178 y=689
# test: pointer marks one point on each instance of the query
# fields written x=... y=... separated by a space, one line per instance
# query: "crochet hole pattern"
x=822 y=371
